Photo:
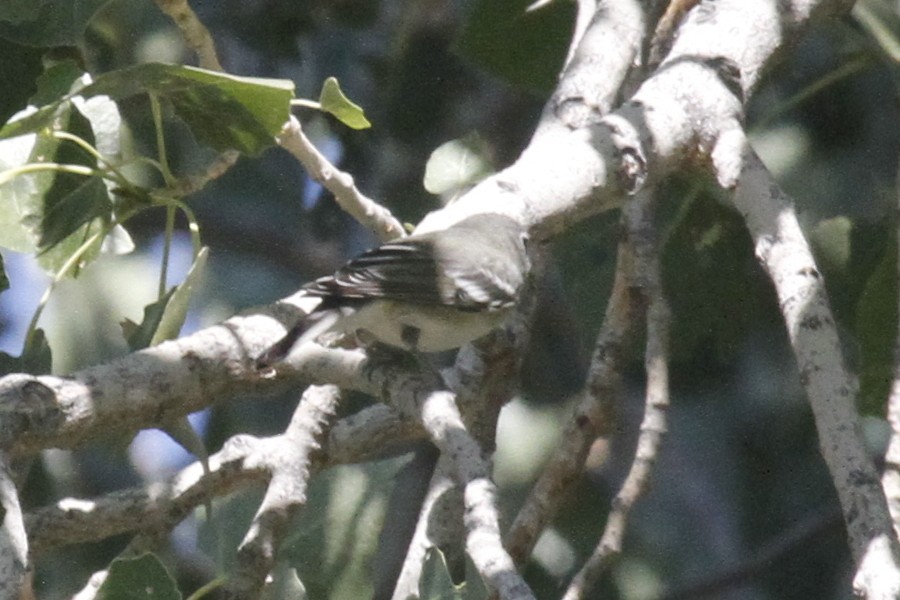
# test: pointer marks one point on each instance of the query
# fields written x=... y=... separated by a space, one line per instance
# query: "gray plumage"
x=430 y=292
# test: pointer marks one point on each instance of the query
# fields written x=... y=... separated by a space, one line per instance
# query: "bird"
x=427 y=292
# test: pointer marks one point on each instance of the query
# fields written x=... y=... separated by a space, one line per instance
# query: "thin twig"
x=239 y=464
x=444 y=424
x=653 y=426
x=194 y=32
x=291 y=463
x=339 y=183
x=590 y=417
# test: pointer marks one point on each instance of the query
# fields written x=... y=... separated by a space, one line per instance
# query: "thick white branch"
x=830 y=387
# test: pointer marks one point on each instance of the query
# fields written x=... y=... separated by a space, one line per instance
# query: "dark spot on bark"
x=508 y=186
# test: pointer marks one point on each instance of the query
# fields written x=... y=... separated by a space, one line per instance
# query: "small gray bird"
x=429 y=292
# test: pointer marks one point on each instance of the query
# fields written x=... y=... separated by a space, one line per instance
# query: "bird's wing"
x=398 y=271
x=407 y=271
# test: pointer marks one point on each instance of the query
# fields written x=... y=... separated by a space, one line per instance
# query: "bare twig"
x=590 y=417
x=291 y=464
x=830 y=388
x=653 y=426
x=666 y=27
x=339 y=183
x=195 y=33
x=242 y=462
x=444 y=425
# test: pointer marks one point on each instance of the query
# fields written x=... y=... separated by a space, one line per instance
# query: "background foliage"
x=740 y=487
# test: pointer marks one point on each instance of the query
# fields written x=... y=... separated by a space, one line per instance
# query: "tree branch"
x=340 y=183
x=291 y=461
x=240 y=463
x=646 y=271
x=830 y=388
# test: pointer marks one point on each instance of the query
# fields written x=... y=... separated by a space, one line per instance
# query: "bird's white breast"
x=439 y=327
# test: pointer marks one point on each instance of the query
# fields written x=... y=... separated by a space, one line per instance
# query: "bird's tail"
x=308 y=329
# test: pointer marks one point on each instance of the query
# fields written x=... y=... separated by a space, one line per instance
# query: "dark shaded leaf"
x=71 y=211
x=37 y=358
x=713 y=282
x=876 y=327
x=526 y=48
x=141 y=336
x=47 y=22
x=142 y=578
x=16 y=11
x=19 y=68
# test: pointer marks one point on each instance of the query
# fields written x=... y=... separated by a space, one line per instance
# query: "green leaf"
x=223 y=111
x=142 y=578
x=53 y=88
x=524 y=47
x=176 y=309
x=876 y=326
x=435 y=583
x=36 y=359
x=164 y=318
x=334 y=101
x=53 y=259
x=140 y=336
x=51 y=212
x=457 y=164
x=9 y=364
x=58 y=80
x=47 y=23
x=23 y=197
x=68 y=213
